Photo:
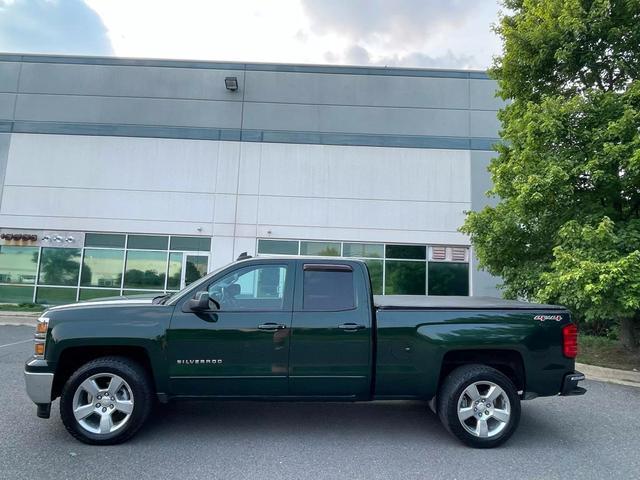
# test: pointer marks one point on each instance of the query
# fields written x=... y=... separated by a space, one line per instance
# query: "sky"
x=398 y=33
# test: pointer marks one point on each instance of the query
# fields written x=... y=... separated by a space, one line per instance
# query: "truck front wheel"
x=479 y=405
x=106 y=400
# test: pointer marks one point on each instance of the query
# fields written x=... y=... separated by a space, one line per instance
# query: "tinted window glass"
x=148 y=242
x=90 y=293
x=413 y=252
x=277 y=247
x=175 y=271
x=55 y=296
x=375 y=272
x=363 y=250
x=18 y=264
x=59 y=266
x=328 y=290
x=192 y=244
x=16 y=294
x=327 y=249
x=145 y=270
x=102 y=268
x=261 y=287
x=405 y=278
x=195 y=268
x=107 y=240
x=448 y=278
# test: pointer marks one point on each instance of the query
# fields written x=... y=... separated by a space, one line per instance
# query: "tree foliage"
x=567 y=175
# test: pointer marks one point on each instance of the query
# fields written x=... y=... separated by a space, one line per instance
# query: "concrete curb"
x=28 y=319
x=611 y=375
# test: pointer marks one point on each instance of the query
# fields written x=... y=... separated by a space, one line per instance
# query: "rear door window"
x=328 y=288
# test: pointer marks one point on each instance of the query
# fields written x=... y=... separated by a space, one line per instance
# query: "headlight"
x=40 y=336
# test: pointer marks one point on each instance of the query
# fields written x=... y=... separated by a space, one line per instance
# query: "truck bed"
x=434 y=302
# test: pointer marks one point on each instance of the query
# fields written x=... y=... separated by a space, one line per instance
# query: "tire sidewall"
x=141 y=397
x=451 y=409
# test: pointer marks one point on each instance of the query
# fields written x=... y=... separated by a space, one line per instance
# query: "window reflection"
x=448 y=278
x=325 y=249
x=102 y=268
x=18 y=264
x=59 y=266
x=145 y=269
x=175 y=271
x=405 y=278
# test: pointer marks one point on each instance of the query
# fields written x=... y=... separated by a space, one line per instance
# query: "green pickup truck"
x=299 y=329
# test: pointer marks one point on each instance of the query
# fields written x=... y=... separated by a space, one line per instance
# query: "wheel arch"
x=72 y=358
x=509 y=362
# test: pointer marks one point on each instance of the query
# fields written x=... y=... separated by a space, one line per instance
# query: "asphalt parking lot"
x=594 y=436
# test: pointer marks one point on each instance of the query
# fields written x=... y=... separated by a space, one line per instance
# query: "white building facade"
x=126 y=176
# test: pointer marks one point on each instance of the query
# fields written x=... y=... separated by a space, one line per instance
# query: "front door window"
x=252 y=288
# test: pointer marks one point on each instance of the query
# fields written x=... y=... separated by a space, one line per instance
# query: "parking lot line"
x=16 y=343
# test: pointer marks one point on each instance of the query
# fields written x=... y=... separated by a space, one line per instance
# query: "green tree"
x=566 y=227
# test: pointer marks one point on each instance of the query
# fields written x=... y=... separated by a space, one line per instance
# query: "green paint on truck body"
x=397 y=350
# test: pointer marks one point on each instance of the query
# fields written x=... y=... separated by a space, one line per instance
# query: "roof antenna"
x=243 y=256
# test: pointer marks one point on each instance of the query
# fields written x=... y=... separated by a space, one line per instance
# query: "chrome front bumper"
x=39 y=386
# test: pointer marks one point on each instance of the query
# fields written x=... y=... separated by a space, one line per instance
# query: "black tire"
x=450 y=394
x=140 y=385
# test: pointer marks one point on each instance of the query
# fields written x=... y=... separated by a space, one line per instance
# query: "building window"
x=110 y=264
x=59 y=266
x=16 y=294
x=102 y=268
x=323 y=249
x=55 y=296
x=91 y=293
x=145 y=270
x=406 y=252
x=105 y=240
x=191 y=244
x=395 y=269
x=278 y=247
x=376 y=272
x=363 y=250
x=18 y=265
x=448 y=278
x=148 y=242
x=405 y=278
x=175 y=271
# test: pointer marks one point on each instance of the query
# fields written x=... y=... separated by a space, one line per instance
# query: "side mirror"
x=202 y=303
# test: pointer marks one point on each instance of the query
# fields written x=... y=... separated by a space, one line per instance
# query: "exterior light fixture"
x=231 y=83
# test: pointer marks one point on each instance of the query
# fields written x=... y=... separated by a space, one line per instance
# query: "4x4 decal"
x=544 y=318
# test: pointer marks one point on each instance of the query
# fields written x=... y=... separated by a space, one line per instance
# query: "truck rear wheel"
x=479 y=405
x=106 y=401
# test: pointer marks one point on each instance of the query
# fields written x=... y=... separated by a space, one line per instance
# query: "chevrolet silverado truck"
x=299 y=329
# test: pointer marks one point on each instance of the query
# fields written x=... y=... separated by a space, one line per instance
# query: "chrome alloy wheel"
x=103 y=403
x=484 y=409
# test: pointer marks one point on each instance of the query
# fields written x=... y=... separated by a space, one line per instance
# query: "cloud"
x=396 y=22
x=407 y=33
x=52 y=26
x=358 y=55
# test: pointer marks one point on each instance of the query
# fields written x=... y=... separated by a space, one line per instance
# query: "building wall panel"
x=121 y=110
x=127 y=81
x=9 y=73
x=357 y=90
x=347 y=119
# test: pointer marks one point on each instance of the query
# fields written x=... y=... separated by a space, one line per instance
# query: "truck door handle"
x=271 y=326
x=351 y=327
